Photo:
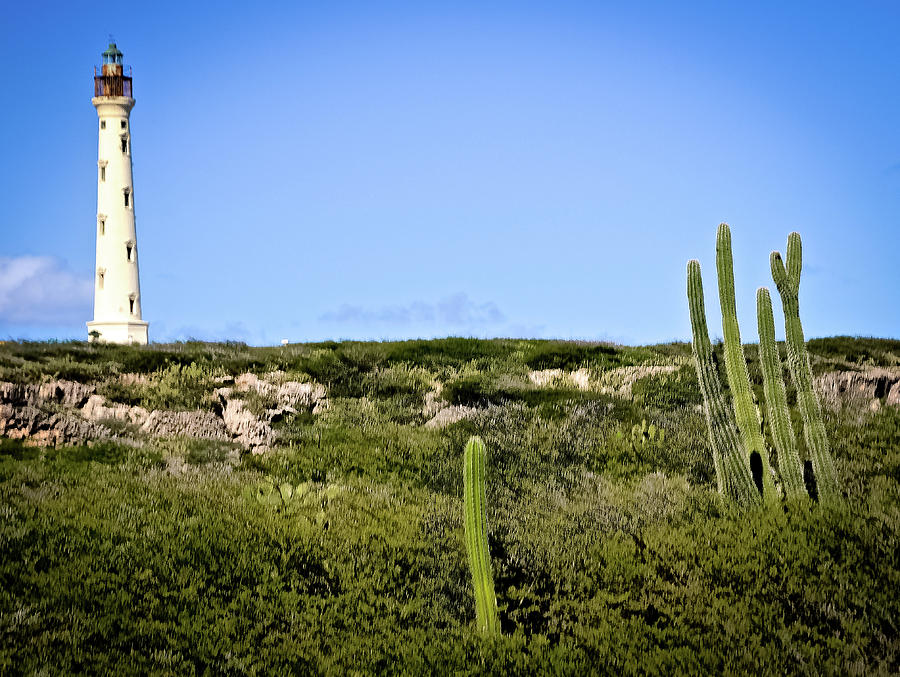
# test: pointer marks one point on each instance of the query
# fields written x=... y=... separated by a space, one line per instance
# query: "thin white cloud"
x=457 y=311
x=40 y=290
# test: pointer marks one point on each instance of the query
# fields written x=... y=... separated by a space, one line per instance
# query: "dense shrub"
x=612 y=553
x=668 y=390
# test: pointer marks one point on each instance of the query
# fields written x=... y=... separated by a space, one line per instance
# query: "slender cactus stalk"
x=776 y=401
x=736 y=366
x=476 y=538
x=733 y=474
x=788 y=282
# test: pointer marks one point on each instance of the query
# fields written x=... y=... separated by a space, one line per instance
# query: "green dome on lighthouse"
x=112 y=55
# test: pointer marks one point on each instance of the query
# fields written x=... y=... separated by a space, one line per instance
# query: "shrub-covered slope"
x=611 y=550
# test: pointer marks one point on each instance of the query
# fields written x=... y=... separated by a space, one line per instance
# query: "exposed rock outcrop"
x=580 y=378
x=96 y=409
x=243 y=425
x=871 y=388
x=65 y=412
x=449 y=415
x=289 y=397
x=66 y=393
x=619 y=381
x=199 y=424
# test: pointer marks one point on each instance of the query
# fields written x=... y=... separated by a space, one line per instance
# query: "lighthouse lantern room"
x=117 y=288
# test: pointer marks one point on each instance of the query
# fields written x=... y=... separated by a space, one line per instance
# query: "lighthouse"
x=117 y=288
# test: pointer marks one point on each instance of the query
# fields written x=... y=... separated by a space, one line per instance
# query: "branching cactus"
x=787 y=279
x=729 y=456
x=736 y=366
x=476 y=537
x=776 y=401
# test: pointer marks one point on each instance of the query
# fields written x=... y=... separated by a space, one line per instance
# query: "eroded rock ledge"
x=65 y=412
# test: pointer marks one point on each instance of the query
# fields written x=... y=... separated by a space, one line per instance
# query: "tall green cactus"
x=776 y=401
x=736 y=366
x=788 y=283
x=476 y=537
x=729 y=457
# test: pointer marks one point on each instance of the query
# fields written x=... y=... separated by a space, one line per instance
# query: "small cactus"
x=787 y=279
x=476 y=537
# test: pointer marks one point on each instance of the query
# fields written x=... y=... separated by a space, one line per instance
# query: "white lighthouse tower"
x=117 y=289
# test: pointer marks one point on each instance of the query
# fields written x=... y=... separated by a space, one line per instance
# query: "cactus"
x=788 y=282
x=736 y=366
x=476 y=537
x=731 y=461
x=776 y=401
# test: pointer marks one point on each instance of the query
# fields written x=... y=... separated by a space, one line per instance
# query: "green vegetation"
x=611 y=551
x=476 y=537
x=788 y=283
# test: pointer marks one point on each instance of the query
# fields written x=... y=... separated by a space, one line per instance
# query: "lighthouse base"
x=133 y=332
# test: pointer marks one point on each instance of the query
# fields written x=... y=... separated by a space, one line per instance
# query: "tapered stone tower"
x=117 y=288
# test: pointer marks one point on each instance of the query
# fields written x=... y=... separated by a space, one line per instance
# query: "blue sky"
x=397 y=170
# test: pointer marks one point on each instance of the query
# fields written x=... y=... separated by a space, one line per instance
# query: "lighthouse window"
x=124 y=144
x=129 y=252
x=131 y=306
x=103 y=173
x=100 y=276
x=102 y=124
x=123 y=124
x=102 y=226
x=127 y=198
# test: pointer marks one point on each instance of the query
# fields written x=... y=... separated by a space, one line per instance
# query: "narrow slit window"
x=131 y=305
x=124 y=144
x=127 y=198
x=100 y=276
x=124 y=124
x=101 y=226
x=102 y=124
x=103 y=173
x=129 y=252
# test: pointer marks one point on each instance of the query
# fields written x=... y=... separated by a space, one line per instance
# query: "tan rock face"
x=871 y=388
x=245 y=427
x=65 y=412
x=620 y=380
x=449 y=415
x=96 y=409
x=255 y=432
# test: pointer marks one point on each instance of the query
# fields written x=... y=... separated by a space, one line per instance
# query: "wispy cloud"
x=457 y=310
x=41 y=290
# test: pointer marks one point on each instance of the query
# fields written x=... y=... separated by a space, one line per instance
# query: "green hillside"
x=337 y=545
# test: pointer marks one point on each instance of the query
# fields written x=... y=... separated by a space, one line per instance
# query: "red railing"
x=112 y=85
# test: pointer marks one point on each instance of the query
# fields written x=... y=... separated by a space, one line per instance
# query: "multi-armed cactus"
x=731 y=462
x=788 y=282
x=736 y=367
x=476 y=537
x=776 y=400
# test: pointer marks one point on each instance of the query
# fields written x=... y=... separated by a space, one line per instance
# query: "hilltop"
x=142 y=530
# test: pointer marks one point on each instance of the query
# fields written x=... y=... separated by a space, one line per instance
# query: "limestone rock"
x=199 y=424
x=449 y=415
x=580 y=378
x=620 y=380
x=66 y=393
x=433 y=402
x=96 y=409
x=870 y=388
x=245 y=427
